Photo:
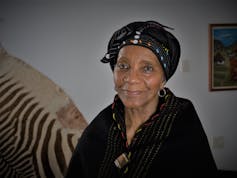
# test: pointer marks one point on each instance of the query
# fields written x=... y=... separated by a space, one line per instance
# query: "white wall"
x=65 y=41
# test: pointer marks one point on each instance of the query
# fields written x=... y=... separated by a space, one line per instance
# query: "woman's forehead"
x=136 y=51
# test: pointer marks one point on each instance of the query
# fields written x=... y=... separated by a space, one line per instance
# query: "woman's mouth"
x=132 y=92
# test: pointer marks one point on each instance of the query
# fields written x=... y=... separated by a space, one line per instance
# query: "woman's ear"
x=163 y=82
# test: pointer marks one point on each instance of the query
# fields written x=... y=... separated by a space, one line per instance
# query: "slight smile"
x=131 y=92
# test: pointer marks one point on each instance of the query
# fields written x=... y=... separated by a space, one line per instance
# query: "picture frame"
x=222 y=57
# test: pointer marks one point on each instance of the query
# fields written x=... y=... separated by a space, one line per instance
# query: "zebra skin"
x=39 y=124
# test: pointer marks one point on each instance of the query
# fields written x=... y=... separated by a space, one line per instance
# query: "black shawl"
x=171 y=142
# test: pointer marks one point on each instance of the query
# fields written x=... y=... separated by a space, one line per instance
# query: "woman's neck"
x=135 y=117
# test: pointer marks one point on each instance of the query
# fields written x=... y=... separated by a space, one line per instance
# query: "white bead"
x=137 y=36
x=107 y=56
x=135 y=41
x=138 y=33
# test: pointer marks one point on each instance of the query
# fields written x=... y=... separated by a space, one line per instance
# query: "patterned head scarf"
x=149 y=34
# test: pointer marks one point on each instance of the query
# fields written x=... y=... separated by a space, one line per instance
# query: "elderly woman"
x=147 y=131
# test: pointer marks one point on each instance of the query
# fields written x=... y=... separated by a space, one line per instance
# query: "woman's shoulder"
x=185 y=103
x=104 y=116
x=186 y=110
x=100 y=124
x=182 y=101
x=187 y=114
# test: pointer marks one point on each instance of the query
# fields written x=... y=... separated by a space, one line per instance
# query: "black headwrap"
x=150 y=34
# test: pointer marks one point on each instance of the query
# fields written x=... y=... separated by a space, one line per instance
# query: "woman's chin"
x=132 y=104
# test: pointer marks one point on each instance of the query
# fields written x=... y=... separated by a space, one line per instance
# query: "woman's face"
x=138 y=76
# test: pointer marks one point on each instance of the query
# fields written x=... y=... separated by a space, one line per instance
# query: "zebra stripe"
x=33 y=143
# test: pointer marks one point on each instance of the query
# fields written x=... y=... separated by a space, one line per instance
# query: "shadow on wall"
x=39 y=124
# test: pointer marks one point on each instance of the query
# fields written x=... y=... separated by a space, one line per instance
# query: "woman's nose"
x=131 y=76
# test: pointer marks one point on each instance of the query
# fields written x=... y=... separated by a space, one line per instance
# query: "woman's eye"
x=148 y=69
x=122 y=66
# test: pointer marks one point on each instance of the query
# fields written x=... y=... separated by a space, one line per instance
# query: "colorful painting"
x=223 y=57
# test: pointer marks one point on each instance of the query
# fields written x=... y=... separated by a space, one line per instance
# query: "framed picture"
x=222 y=57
